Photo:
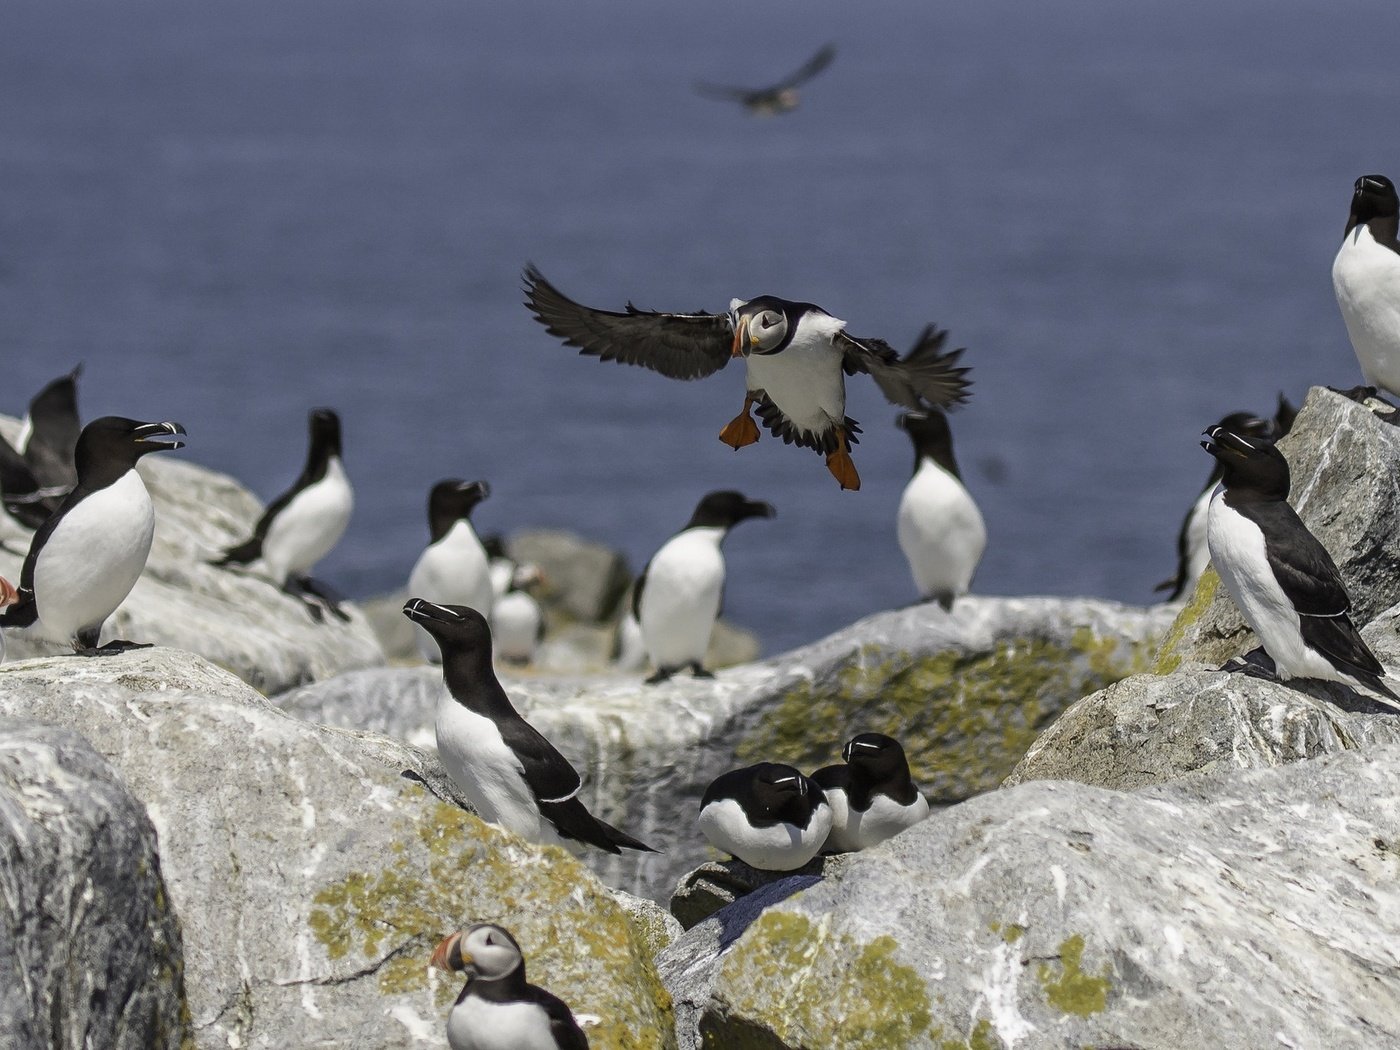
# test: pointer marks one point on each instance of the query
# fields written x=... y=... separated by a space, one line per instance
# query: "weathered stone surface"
x=1345 y=467
x=966 y=693
x=312 y=876
x=1245 y=910
x=717 y=884
x=89 y=948
x=235 y=619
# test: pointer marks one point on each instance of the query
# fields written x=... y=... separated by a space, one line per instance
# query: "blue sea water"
x=235 y=210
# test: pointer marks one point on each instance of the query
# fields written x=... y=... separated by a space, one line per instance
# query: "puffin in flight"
x=777 y=98
x=796 y=356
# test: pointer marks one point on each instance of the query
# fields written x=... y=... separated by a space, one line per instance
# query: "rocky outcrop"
x=966 y=693
x=313 y=869
x=89 y=948
x=1245 y=910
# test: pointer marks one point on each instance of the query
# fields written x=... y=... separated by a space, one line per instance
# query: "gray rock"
x=1246 y=910
x=313 y=869
x=586 y=579
x=89 y=948
x=717 y=884
x=966 y=693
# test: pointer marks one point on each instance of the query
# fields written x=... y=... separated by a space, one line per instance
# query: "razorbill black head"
x=1281 y=578
x=769 y=816
x=796 y=359
x=511 y=774
x=779 y=97
x=452 y=500
x=872 y=796
x=725 y=509
x=1366 y=279
x=84 y=560
x=498 y=1008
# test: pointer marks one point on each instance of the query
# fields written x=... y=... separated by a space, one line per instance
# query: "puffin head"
x=760 y=325
x=483 y=952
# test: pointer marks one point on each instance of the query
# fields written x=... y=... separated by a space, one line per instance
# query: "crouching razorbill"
x=872 y=796
x=84 y=560
x=769 y=816
x=511 y=774
x=1282 y=579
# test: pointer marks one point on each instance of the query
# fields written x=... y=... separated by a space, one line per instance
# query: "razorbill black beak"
x=418 y=609
x=759 y=509
x=1221 y=441
x=161 y=435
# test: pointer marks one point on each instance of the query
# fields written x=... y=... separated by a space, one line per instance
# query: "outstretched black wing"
x=682 y=346
x=926 y=377
x=808 y=69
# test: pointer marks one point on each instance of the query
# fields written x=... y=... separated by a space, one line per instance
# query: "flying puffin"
x=777 y=98
x=1366 y=278
x=796 y=355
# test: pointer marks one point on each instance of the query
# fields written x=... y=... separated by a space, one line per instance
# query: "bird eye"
x=769 y=319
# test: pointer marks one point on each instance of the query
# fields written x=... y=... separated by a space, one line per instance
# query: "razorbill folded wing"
x=1366 y=278
x=781 y=97
x=769 y=816
x=49 y=435
x=872 y=796
x=453 y=569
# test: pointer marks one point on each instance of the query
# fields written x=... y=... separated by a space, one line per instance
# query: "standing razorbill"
x=678 y=596
x=940 y=528
x=301 y=526
x=497 y=1008
x=87 y=556
x=1281 y=578
x=517 y=621
x=1366 y=278
x=510 y=773
x=769 y=816
x=872 y=796
x=453 y=569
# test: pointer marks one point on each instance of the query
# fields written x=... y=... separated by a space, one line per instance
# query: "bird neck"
x=471 y=675
x=507 y=989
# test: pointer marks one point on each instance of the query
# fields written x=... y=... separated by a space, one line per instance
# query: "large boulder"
x=966 y=693
x=1245 y=910
x=89 y=947
x=313 y=868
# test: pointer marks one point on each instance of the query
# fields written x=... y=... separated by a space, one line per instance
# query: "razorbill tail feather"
x=1281 y=578
x=511 y=774
x=941 y=531
x=453 y=569
x=678 y=596
x=517 y=621
x=1366 y=278
x=872 y=797
x=770 y=816
x=776 y=98
x=498 y=1009
x=301 y=526
x=796 y=356
x=84 y=560
x=48 y=437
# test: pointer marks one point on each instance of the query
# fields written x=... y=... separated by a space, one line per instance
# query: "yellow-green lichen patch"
x=1168 y=654
x=792 y=980
x=1072 y=991
x=450 y=869
x=982 y=1037
x=1010 y=933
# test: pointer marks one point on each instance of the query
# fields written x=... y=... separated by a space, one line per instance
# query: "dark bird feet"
x=317 y=597
x=741 y=430
x=664 y=673
x=1256 y=663
x=116 y=645
x=843 y=469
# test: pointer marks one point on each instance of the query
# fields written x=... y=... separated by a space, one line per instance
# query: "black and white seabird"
x=453 y=569
x=301 y=526
x=84 y=560
x=48 y=436
x=796 y=355
x=781 y=97
x=511 y=774
x=498 y=1009
x=517 y=621
x=940 y=529
x=769 y=816
x=872 y=796
x=678 y=596
x=24 y=504
x=1366 y=278
x=1281 y=578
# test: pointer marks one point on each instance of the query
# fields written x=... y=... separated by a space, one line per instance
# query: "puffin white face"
x=484 y=951
x=759 y=327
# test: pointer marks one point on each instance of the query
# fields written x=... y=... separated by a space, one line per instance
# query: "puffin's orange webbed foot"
x=740 y=431
x=843 y=469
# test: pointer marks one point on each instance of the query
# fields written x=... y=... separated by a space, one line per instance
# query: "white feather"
x=781 y=847
x=941 y=531
x=804 y=379
x=1366 y=278
x=309 y=525
x=452 y=571
x=515 y=626
x=854 y=829
x=480 y=1024
x=680 y=601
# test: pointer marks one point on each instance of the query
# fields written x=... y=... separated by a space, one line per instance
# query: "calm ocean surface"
x=235 y=211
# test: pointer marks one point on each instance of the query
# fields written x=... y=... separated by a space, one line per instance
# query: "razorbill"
x=1366 y=278
x=1281 y=578
x=777 y=98
x=24 y=504
x=497 y=1008
x=872 y=796
x=301 y=526
x=511 y=774
x=517 y=621
x=452 y=569
x=678 y=596
x=84 y=560
x=796 y=354
x=48 y=436
x=769 y=816
x=940 y=529
x=501 y=564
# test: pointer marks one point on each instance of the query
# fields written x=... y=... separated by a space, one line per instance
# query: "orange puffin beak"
x=741 y=338
x=443 y=954
x=8 y=594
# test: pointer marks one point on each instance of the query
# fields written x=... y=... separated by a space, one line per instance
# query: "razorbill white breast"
x=1281 y=578
x=872 y=796
x=497 y=1008
x=84 y=560
x=502 y=566
x=941 y=531
x=796 y=355
x=511 y=774
x=780 y=97
x=300 y=527
x=1366 y=278
x=453 y=569
x=769 y=816
x=517 y=621
x=678 y=596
